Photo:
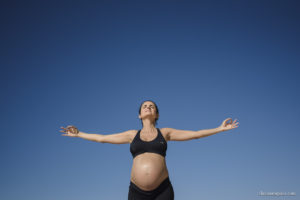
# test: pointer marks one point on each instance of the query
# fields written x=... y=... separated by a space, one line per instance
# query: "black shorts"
x=163 y=192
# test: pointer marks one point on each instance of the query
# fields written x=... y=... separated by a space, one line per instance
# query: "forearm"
x=208 y=132
x=91 y=137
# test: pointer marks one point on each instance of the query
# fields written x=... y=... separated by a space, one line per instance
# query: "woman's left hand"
x=227 y=124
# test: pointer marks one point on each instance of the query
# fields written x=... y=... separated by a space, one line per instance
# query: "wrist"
x=220 y=129
x=79 y=134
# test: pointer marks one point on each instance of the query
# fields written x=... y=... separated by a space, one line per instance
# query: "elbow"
x=101 y=139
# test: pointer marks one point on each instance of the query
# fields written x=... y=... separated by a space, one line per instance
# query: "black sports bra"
x=158 y=145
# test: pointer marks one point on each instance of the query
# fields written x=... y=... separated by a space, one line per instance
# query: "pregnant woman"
x=149 y=174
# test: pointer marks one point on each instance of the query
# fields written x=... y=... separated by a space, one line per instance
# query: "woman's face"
x=148 y=109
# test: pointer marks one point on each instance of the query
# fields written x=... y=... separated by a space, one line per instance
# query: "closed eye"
x=151 y=106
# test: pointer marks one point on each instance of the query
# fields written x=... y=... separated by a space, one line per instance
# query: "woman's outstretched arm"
x=118 y=138
x=183 y=135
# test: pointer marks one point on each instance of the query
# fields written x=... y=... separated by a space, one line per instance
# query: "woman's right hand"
x=70 y=131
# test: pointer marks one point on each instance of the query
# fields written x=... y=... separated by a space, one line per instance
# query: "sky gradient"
x=91 y=64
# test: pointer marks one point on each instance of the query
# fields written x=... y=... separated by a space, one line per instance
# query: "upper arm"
x=179 y=135
x=119 y=138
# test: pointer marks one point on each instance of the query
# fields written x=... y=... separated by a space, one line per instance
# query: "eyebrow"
x=149 y=104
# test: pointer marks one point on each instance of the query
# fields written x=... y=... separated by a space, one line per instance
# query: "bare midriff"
x=148 y=170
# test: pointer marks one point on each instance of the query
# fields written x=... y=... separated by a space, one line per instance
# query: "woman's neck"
x=148 y=126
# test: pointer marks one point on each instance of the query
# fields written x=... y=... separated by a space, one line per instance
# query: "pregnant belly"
x=148 y=171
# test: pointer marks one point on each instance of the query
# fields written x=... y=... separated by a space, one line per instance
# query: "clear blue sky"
x=91 y=64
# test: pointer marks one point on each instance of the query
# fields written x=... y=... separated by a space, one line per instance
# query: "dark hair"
x=157 y=112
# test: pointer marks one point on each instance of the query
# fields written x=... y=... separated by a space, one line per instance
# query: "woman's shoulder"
x=165 y=132
x=133 y=133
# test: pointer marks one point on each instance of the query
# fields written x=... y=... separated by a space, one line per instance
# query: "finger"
x=63 y=128
x=62 y=131
x=228 y=121
x=225 y=121
x=67 y=135
x=72 y=129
